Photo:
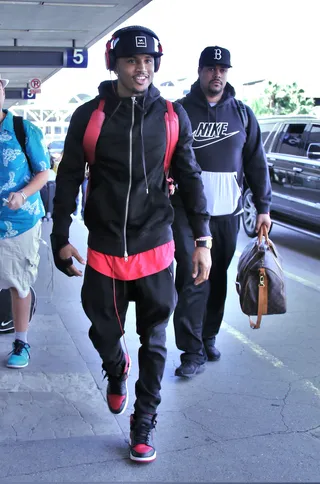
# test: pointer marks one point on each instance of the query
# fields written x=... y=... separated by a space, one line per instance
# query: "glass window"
x=266 y=130
x=314 y=136
x=291 y=140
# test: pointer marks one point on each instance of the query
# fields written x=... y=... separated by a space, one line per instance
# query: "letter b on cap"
x=217 y=54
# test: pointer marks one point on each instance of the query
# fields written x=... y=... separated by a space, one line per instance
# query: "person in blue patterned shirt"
x=21 y=210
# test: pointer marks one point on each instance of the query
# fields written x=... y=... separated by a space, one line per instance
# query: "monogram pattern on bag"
x=254 y=257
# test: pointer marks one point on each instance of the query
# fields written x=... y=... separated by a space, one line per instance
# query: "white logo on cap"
x=217 y=54
x=141 y=41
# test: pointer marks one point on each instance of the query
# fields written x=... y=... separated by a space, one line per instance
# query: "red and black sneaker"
x=141 y=441
x=117 y=390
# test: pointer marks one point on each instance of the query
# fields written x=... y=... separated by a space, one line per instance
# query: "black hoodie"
x=226 y=150
x=128 y=210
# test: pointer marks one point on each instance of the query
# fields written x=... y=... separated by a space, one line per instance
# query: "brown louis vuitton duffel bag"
x=260 y=279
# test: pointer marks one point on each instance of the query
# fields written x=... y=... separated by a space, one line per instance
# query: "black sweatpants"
x=155 y=299
x=199 y=311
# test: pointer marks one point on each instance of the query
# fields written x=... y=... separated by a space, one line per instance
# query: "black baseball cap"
x=136 y=40
x=212 y=56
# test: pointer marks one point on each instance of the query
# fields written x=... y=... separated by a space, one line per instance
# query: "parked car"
x=292 y=145
x=175 y=89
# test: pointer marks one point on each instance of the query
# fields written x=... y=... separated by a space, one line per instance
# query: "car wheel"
x=249 y=215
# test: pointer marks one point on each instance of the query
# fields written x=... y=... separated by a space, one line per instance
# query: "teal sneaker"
x=19 y=356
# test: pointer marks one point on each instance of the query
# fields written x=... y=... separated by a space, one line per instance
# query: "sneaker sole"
x=213 y=358
x=144 y=460
x=17 y=366
x=127 y=401
x=191 y=375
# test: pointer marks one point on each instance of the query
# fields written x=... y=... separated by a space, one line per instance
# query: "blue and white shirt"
x=15 y=174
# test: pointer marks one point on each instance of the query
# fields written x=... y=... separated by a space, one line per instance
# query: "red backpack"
x=94 y=126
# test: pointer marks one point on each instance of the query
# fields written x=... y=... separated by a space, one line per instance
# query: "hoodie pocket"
x=222 y=192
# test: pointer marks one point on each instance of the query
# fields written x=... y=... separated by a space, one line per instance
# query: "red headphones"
x=110 y=55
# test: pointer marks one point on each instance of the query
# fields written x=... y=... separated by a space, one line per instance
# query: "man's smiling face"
x=135 y=74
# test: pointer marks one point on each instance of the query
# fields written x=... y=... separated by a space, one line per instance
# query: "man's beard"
x=136 y=92
x=214 y=91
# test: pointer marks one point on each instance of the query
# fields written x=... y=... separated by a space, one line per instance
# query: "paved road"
x=254 y=416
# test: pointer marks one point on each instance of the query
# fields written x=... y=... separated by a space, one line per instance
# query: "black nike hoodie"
x=226 y=151
x=128 y=210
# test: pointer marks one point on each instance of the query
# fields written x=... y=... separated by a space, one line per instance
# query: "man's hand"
x=15 y=201
x=263 y=219
x=201 y=262
x=70 y=251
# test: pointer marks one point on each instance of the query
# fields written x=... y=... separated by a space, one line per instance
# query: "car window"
x=266 y=130
x=290 y=140
x=314 y=135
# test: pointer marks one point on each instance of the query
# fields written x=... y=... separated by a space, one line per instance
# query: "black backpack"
x=6 y=323
x=243 y=114
x=21 y=135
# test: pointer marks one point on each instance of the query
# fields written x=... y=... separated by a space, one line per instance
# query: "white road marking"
x=262 y=353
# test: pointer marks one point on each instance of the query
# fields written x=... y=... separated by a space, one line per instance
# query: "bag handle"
x=262 y=298
x=263 y=283
x=263 y=232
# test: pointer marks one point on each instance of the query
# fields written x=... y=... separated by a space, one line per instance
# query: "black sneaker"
x=117 y=390
x=187 y=369
x=141 y=441
x=7 y=326
x=212 y=352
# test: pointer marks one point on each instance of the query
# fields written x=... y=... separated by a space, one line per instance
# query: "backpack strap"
x=243 y=113
x=97 y=118
x=21 y=136
x=172 y=129
x=92 y=132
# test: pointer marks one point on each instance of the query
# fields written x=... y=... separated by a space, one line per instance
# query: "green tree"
x=282 y=99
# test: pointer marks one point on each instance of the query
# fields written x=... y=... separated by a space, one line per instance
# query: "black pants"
x=155 y=299
x=199 y=311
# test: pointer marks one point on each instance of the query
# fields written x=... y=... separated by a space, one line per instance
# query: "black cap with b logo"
x=212 y=56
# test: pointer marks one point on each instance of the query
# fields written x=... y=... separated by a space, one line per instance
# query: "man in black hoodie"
x=227 y=144
x=129 y=216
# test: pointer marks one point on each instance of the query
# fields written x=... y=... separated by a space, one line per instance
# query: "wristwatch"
x=207 y=243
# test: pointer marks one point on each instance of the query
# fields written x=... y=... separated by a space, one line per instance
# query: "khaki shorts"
x=19 y=260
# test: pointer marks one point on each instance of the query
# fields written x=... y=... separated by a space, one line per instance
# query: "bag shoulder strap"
x=97 y=118
x=172 y=130
x=92 y=132
x=243 y=113
x=19 y=131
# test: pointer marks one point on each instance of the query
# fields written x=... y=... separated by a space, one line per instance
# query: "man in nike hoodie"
x=129 y=216
x=226 y=150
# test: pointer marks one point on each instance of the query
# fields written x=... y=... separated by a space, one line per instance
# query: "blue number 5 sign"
x=77 y=58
